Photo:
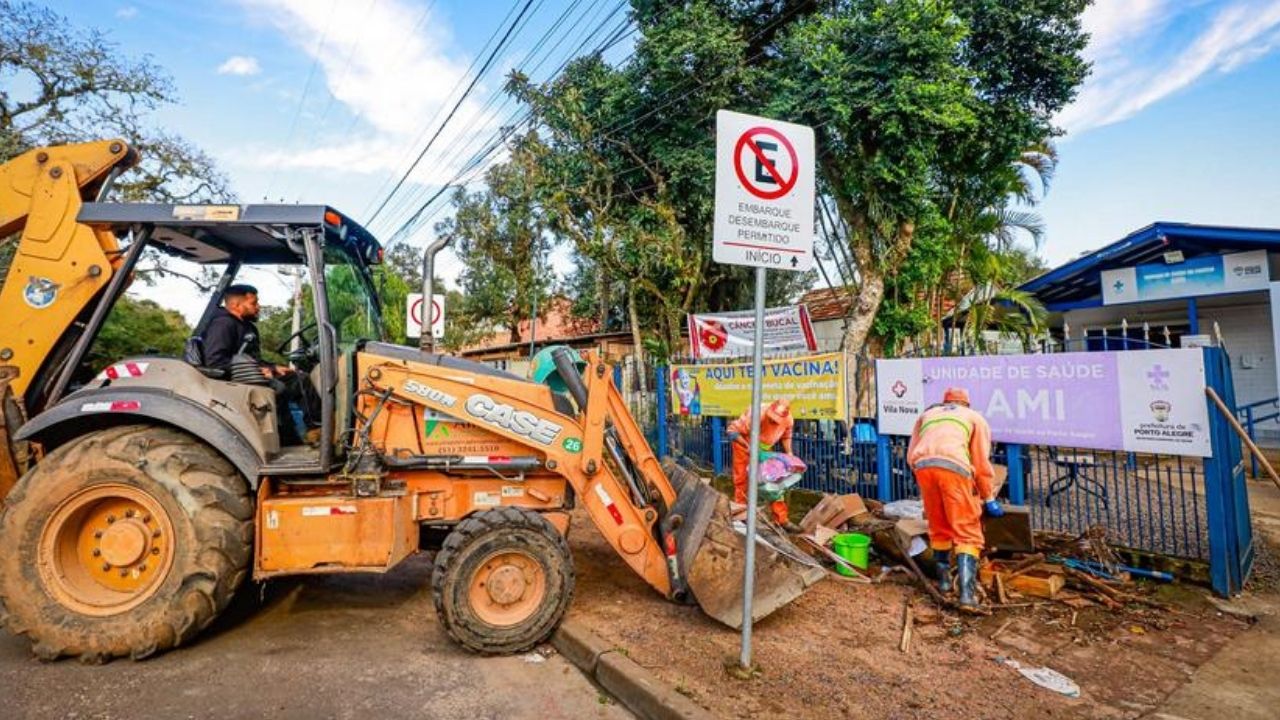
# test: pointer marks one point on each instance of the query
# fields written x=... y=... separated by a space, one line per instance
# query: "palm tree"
x=1003 y=311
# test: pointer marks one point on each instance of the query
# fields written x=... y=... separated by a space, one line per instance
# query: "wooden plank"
x=1043 y=581
x=904 y=644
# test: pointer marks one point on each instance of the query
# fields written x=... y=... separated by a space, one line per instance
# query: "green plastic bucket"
x=852 y=547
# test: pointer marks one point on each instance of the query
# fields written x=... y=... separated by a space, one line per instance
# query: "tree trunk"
x=863 y=312
x=602 y=297
x=635 y=325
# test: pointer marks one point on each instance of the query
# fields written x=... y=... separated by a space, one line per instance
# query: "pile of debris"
x=1020 y=568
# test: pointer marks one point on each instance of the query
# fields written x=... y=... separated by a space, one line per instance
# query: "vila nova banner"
x=1140 y=401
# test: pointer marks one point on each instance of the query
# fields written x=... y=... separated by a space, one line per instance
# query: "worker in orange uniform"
x=776 y=424
x=950 y=453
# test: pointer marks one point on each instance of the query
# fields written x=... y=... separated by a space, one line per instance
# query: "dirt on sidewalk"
x=834 y=652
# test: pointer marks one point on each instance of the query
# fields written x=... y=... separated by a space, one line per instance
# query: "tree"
x=61 y=84
x=138 y=327
x=499 y=233
x=628 y=161
x=919 y=103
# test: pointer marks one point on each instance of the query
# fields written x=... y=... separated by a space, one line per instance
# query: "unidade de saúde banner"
x=1140 y=401
x=814 y=384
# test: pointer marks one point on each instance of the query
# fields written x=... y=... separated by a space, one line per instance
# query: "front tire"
x=502 y=581
x=124 y=542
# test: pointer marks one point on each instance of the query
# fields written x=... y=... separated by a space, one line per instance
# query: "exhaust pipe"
x=426 y=341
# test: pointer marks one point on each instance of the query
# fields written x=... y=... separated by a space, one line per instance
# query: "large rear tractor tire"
x=124 y=542
x=503 y=581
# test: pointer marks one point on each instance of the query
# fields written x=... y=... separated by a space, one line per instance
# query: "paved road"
x=336 y=647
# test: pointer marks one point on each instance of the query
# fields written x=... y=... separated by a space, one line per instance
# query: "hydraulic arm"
x=59 y=266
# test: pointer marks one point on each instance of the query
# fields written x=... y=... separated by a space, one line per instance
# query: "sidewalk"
x=1242 y=681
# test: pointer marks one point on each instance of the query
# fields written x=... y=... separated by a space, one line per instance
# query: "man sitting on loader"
x=233 y=332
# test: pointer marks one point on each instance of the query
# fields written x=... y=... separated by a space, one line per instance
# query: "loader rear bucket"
x=712 y=553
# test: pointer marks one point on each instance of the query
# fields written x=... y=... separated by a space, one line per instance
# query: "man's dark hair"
x=238 y=291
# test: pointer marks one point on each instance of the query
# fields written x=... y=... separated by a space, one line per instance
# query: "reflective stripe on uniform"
x=968 y=429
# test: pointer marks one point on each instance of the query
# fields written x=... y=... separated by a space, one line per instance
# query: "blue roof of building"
x=1079 y=283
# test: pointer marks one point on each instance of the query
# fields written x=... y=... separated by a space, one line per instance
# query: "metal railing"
x=1152 y=503
x=1255 y=415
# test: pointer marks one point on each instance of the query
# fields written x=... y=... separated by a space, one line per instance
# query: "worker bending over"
x=950 y=453
x=776 y=425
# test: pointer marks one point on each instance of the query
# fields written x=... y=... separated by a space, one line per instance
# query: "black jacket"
x=228 y=335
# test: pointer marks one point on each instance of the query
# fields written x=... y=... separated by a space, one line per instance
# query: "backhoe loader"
x=137 y=497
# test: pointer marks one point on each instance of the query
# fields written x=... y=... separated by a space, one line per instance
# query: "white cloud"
x=127 y=12
x=240 y=65
x=386 y=67
x=1130 y=75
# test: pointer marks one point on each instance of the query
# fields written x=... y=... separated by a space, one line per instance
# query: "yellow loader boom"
x=59 y=266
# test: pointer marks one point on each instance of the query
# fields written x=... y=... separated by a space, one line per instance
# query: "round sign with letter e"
x=413 y=319
x=764 y=214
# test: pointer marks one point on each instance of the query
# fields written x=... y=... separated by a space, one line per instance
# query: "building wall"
x=828 y=334
x=1244 y=321
x=1246 y=331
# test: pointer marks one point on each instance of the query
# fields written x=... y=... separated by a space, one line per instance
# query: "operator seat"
x=193 y=354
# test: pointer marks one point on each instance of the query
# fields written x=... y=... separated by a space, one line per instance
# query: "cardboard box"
x=832 y=511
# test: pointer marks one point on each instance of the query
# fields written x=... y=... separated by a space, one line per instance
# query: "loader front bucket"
x=712 y=554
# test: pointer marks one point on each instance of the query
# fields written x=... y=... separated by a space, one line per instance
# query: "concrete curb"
x=638 y=689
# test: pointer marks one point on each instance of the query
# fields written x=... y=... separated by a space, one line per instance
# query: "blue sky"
x=1178 y=122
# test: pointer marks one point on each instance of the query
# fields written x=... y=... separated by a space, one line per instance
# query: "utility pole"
x=296 y=342
x=533 y=321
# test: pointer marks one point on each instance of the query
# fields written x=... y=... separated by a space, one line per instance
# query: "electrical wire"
x=306 y=90
x=506 y=128
x=512 y=125
x=493 y=55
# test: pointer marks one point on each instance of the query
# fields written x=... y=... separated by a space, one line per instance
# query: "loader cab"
x=340 y=307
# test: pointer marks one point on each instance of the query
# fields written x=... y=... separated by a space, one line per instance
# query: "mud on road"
x=353 y=646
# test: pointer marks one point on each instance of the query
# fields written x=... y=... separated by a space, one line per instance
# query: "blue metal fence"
x=1153 y=503
x=1169 y=505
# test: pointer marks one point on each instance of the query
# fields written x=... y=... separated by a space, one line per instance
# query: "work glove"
x=992 y=508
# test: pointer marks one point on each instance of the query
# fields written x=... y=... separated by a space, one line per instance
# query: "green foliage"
x=933 y=118
x=499 y=233
x=138 y=327
x=62 y=84
x=275 y=325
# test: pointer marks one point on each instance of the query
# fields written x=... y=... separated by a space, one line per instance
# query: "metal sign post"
x=763 y=219
x=753 y=472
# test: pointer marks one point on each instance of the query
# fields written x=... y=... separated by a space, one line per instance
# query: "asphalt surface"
x=321 y=647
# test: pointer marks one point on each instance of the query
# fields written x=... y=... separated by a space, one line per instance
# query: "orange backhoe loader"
x=138 y=496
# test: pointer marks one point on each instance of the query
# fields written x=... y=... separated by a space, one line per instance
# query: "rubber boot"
x=968 y=579
x=943 y=557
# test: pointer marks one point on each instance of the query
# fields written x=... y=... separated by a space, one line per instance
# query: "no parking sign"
x=764 y=192
x=413 y=320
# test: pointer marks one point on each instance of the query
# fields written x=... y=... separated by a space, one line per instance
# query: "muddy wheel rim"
x=106 y=549
x=508 y=588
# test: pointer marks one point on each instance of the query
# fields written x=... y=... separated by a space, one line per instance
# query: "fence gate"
x=1226 y=494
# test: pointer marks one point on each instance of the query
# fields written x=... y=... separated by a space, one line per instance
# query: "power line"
x=453 y=111
x=306 y=90
x=456 y=87
x=346 y=70
x=511 y=124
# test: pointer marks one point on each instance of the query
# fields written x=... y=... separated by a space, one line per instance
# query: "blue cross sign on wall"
x=1119 y=286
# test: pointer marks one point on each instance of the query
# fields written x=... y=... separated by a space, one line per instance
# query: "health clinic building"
x=1178 y=285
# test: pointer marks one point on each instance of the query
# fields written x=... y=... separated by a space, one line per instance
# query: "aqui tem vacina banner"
x=1139 y=401
x=815 y=385
x=715 y=336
